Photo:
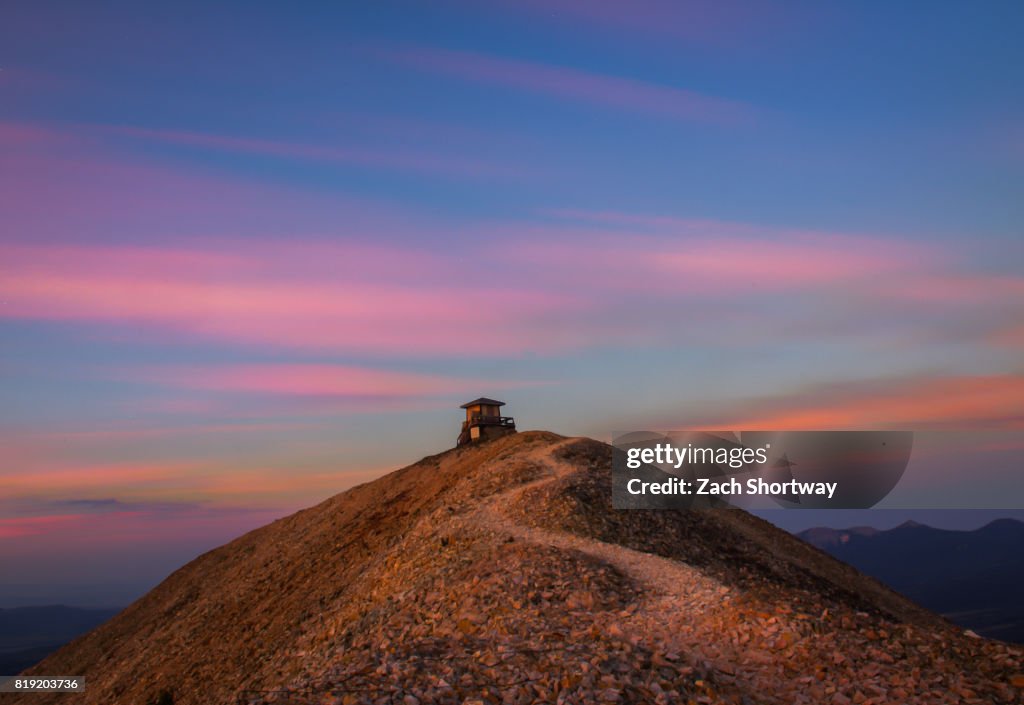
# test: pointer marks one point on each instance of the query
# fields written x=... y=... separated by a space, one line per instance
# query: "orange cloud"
x=131 y=525
x=965 y=403
x=76 y=479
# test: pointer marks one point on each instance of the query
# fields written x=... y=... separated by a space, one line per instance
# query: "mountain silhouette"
x=27 y=634
x=498 y=572
x=975 y=578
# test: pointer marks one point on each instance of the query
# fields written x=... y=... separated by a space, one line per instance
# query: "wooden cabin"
x=484 y=421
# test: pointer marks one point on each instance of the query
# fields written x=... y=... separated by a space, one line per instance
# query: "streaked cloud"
x=566 y=83
x=43 y=476
x=715 y=258
x=257 y=299
x=18 y=527
x=125 y=524
x=914 y=403
x=318 y=380
x=533 y=288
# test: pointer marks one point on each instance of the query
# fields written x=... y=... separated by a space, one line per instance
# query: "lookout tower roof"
x=482 y=401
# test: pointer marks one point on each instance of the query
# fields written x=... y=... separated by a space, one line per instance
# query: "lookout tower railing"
x=484 y=420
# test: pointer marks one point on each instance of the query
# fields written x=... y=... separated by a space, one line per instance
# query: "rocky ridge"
x=499 y=573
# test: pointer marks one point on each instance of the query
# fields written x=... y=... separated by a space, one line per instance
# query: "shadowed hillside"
x=499 y=572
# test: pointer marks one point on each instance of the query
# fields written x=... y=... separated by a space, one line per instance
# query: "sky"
x=252 y=254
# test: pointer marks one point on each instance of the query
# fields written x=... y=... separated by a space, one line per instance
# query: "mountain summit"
x=498 y=572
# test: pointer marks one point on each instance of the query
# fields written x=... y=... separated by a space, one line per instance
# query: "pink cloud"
x=26 y=526
x=654 y=252
x=500 y=289
x=98 y=194
x=711 y=258
x=331 y=296
x=568 y=83
x=105 y=193
x=516 y=288
x=391 y=318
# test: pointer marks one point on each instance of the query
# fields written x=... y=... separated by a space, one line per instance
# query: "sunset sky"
x=252 y=254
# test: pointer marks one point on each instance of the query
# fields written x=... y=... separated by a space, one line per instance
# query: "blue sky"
x=242 y=244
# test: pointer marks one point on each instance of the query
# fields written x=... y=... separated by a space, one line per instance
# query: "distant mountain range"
x=974 y=578
x=29 y=634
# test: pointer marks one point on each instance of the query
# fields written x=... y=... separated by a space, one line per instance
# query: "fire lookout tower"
x=484 y=421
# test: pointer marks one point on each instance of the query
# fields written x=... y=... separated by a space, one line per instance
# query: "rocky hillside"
x=499 y=573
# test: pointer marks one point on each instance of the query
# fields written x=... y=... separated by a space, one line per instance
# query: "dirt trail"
x=743 y=642
x=665 y=579
x=682 y=608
